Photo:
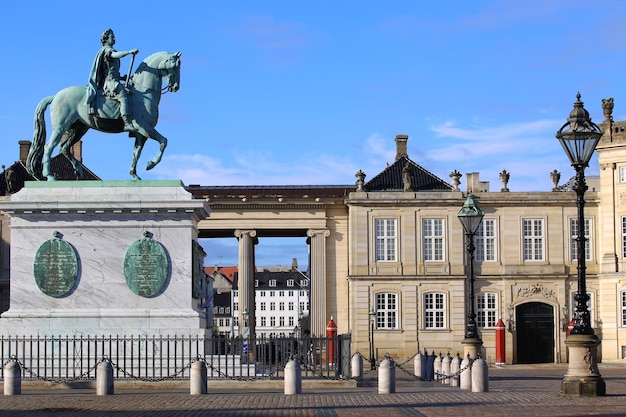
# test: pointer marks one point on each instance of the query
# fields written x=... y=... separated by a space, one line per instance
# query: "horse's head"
x=161 y=64
x=171 y=68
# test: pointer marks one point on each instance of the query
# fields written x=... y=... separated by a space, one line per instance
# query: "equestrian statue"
x=109 y=103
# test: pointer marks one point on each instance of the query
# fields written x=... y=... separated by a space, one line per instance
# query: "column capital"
x=239 y=233
x=315 y=232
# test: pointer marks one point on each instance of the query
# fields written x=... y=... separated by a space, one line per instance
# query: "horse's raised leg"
x=53 y=142
x=162 y=145
x=139 y=142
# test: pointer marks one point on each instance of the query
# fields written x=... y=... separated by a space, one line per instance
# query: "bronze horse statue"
x=70 y=116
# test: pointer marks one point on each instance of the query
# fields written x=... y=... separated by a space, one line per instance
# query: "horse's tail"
x=35 y=154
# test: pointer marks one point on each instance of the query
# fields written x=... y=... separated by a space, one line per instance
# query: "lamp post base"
x=582 y=377
x=471 y=346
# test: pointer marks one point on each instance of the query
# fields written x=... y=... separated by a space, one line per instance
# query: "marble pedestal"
x=582 y=377
x=471 y=346
x=100 y=220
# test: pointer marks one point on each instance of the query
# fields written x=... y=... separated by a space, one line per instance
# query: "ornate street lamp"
x=470 y=216
x=579 y=138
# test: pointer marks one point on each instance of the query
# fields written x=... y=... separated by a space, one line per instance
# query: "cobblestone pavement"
x=531 y=390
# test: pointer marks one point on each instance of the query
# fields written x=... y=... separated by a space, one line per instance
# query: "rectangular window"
x=272 y=293
x=273 y=321
x=235 y=306
x=281 y=293
x=624 y=237
x=302 y=306
x=291 y=305
x=623 y=293
x=290 y=293
x=486 y=309
x=386 y=311
x=272 y=306
x=573 y=227
x=291 y=321
x=281 y=321
x=281 y=306
x=263 y=321
x=290 y=282
x=434 y=310
x=272 y=283
x=485 y=241
x=385 y=237
x=262 y=307
x=304 y=282
x=533 y=235
x=262 y=293
x=433 y=239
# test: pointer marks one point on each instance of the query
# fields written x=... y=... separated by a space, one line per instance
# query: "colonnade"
x=317 y=266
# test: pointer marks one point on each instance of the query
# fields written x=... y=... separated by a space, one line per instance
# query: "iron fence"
x=156 y=358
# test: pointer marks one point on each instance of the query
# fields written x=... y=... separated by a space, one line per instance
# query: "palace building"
x=387 y=256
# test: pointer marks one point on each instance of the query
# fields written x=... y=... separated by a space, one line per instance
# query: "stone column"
x=245 y=265
x=317 y=293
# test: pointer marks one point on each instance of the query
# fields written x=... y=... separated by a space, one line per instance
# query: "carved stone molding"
x=533 y=290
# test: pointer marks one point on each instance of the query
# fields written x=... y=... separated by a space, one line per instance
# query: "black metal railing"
x=156 y=358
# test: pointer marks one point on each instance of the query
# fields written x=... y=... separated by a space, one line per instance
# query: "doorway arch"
x=534 y=323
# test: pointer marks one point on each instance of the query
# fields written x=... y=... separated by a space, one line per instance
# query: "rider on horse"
x=105 y=77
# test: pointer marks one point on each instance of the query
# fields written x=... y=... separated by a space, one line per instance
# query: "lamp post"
x=470 y=216
x=579 y=137
x=372 y=317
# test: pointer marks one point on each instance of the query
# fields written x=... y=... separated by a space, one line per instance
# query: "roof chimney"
x=24 y=148
x=294 y=264
x=77 y=150
x=401 y=151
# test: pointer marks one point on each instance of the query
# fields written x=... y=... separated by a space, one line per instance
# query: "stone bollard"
x=356 y=366
x=466 y=373
x=445 y=369
x=437 y=366
x=293 y=378
x=417 y=365
x=12 y=378
x=455 y=367
x=104 y=378
x=197 y=378
x=386 y=377
x=480 y=375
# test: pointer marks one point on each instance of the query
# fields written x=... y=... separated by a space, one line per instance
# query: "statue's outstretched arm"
x=122 y=54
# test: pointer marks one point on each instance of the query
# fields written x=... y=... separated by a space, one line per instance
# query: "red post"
x=500 y=343
x=331 y=333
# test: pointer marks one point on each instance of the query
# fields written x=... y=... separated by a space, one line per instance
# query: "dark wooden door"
x=534 y=324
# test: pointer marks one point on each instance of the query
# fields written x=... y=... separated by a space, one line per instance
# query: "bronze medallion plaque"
x=146 y=267
x=56 y=267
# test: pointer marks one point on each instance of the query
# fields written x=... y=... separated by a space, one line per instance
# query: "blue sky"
x=286 y=92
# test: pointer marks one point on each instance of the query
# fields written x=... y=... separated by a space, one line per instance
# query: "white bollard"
x=293 y=378
x=466 y=374
x=12 y=378
x=437 y=366
x=386 y=377
x=104 y=378
x=455 y=367
x=445 y=369
x=356 y=366
x=197 y=378
x=417 y=365
x=480 y=376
